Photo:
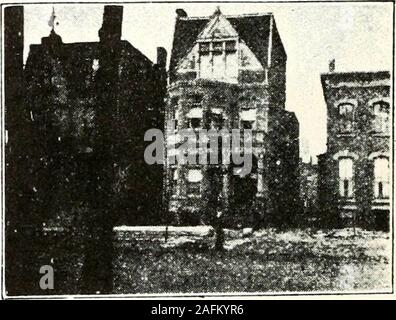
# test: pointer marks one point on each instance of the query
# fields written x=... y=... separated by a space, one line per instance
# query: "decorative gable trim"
x=217 y=28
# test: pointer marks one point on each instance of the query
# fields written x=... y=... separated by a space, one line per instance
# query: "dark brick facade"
x=90 y=104
x=257 y=91
x=354 y=174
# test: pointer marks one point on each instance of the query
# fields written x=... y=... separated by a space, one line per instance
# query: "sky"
x=357 y=35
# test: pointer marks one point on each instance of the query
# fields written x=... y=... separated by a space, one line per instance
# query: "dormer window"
x=217 y=47
x=230 y=46
x=204 y=48
x=220 y=53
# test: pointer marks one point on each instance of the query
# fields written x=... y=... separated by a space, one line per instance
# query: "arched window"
x=381 y=177
x=345 y=166
x=346 y=117
x=381 y=117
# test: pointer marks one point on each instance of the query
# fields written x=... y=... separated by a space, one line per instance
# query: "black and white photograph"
x=197 y=149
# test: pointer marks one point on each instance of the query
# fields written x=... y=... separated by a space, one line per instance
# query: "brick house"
x=90 y=104
x=354 y=173
x=228 y=72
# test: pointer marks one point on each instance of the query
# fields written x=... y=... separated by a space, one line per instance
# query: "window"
x=196 y=100
x=247 y=118
x=206 y=66
x=381 y=117
x=218 y=60
x=174 y=178
x=216 y=121
x=194 y=178
x=346 y=116
x=218 y=47
x=218 y=65
x=245 y=124
x=174 y=111
x=192 y=63
x=175 y=102
x=230 y=46
x=95 y=65
x=381 y=178
x=194 y=123
x=346 y=177
x=204 y=48
x=194 y=117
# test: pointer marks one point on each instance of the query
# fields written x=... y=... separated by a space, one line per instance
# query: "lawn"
x=266 y=261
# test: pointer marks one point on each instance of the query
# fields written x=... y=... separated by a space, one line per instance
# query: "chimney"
x=161 y=57
x=332 y=65
x=112 y=24
x=181 y=13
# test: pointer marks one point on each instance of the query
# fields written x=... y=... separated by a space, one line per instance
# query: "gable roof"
x=254 y=30
x=219 y=27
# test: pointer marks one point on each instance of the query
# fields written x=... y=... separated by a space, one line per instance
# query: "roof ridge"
x=244 y=15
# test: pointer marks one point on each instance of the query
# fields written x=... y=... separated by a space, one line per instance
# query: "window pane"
x=195 y=123
x=206 y=67
x=218 y=66
x=346 y=117
x=196 y=99
x=381 y=117
x=175 y=174
x=218 y=46
x=346 y=188
x=230 y=45
x=247 y=124
x=346 y=168
x=216 y=121
x=195 y=113
x=248 y=115
x=231 y=65
x=204 y=48
x=345 y=109
x=385 y=189
x=381 y=169
x=193 y=188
